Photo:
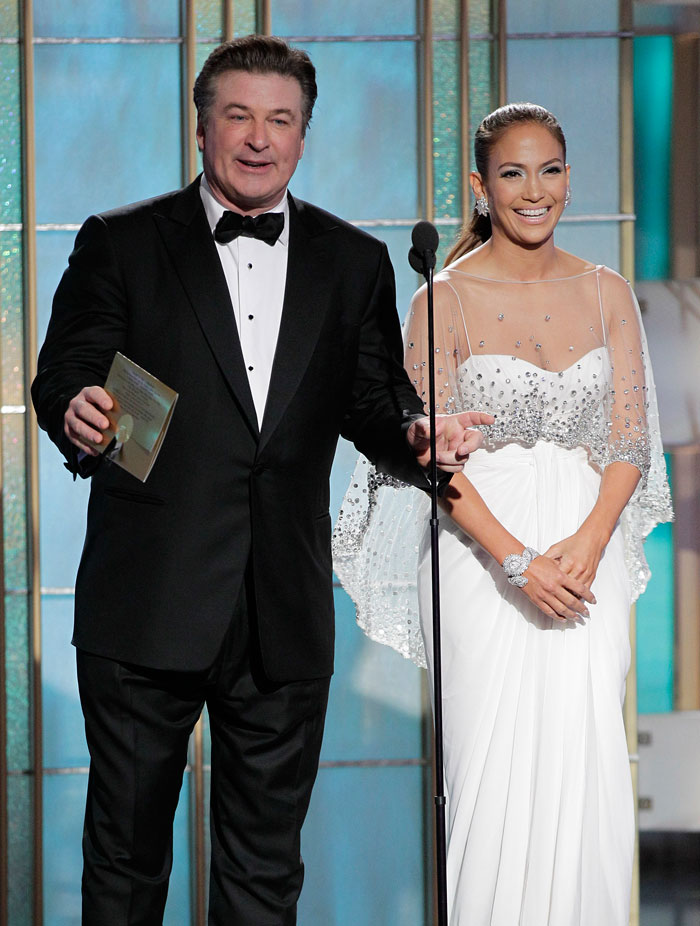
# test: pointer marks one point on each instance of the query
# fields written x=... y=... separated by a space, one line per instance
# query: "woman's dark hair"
x=491 y=129
x=256 y=54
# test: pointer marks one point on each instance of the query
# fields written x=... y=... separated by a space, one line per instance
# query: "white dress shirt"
x=256 y=274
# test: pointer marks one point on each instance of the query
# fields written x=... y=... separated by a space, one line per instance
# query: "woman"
x=541 y=555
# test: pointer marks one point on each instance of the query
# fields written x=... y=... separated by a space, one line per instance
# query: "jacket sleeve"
x=383 y=401
x=88 y=324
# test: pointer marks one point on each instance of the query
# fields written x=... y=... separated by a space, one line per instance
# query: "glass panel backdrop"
x=109 y=130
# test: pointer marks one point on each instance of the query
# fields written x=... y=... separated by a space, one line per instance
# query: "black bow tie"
x=267 y=227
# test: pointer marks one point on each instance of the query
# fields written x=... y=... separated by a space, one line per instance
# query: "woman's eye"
x=553 y=170
x=510 y=173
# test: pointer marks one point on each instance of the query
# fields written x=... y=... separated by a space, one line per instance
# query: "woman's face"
x=525 y=185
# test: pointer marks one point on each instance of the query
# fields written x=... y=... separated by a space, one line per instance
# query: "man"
x=211 y=583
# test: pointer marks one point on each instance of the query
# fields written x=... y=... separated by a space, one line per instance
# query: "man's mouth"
x=256 y=165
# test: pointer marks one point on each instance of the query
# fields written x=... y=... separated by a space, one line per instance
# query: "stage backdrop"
x=95 y=112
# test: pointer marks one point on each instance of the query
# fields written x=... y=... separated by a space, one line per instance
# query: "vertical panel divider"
x=32 y=453
x=464 y=110
x=263 y=17
x=499 y=14
x=685 y=468
x=189 y=114
x=426 y=93
x=4 y=836
x=191 y=169
x=626 y=174
x=228 y=20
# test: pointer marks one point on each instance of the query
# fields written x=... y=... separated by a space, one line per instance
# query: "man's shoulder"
x=166 y=203
x=318 y=220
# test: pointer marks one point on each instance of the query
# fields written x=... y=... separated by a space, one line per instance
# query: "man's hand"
x=454 y=439
x=84 y=419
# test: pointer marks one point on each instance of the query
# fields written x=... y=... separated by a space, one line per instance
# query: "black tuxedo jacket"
x=163 y=561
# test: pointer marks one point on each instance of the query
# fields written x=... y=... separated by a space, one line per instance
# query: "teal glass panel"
x=655 y=623
x=178 y=909
x=10 y=134
x=555 y=16
x=479 y=16
x=244 y=17
x=375 y=709
x=481 y=101
x=14 y=501
x=361 y=17
x=17 y=662
x=12 y=318
x=9 y=18
x=64 y=799
x=64 y=734
x=62 y=517
x=553 y=75
x=363 y=849
x=209 y=18
x=62 y=831
x=445 y=17
x=19 y=855
x=202 y=53
x=53 y=250
x=653 y=112
x=63 y=826
x=449 y=235
x=104 y=18
x=598 y=242
x=398 y=242
x=361 y=157
x=107 y=127
x=446 y=131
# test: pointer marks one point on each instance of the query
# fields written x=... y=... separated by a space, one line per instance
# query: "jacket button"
x=258 y=469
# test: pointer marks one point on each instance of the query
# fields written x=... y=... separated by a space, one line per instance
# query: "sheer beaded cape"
x=563 y=361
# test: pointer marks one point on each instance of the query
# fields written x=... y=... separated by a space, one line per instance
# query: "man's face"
x=253 y=139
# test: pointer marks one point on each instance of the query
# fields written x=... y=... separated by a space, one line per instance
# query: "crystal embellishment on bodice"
x=567 y=407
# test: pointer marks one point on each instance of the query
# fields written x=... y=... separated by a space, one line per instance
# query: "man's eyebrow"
x=516 y=164
x=273 y=112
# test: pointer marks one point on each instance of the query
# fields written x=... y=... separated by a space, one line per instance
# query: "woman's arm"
x=555 y=592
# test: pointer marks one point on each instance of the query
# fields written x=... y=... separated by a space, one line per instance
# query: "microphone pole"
x=422 y=258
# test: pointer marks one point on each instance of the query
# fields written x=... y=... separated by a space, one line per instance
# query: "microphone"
x=425 y=241
x=422 y=258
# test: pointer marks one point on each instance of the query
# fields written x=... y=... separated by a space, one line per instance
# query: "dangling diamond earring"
x=567 y=198
x=482 y=205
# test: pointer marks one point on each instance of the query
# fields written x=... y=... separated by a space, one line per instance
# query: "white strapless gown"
x=540 y=807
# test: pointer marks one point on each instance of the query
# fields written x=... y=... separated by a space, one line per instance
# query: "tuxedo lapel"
x=188 y=239
x=303 y=312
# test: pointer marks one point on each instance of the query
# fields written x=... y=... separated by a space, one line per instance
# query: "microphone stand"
x=423 y=260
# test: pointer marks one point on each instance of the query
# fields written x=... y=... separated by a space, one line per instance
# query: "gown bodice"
x=567 y=407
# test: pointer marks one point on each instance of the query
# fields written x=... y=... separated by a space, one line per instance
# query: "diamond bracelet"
x=515 y=564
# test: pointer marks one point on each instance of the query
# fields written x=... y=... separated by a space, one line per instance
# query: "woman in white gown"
x=535 y=647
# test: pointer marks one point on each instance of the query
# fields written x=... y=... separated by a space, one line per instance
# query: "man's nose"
x=257 y=135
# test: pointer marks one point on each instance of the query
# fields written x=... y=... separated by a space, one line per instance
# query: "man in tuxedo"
x=211 y=582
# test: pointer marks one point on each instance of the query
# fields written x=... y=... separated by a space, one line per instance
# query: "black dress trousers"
x=266 y=741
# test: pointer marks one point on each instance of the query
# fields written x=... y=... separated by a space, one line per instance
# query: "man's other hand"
x=454 y=439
